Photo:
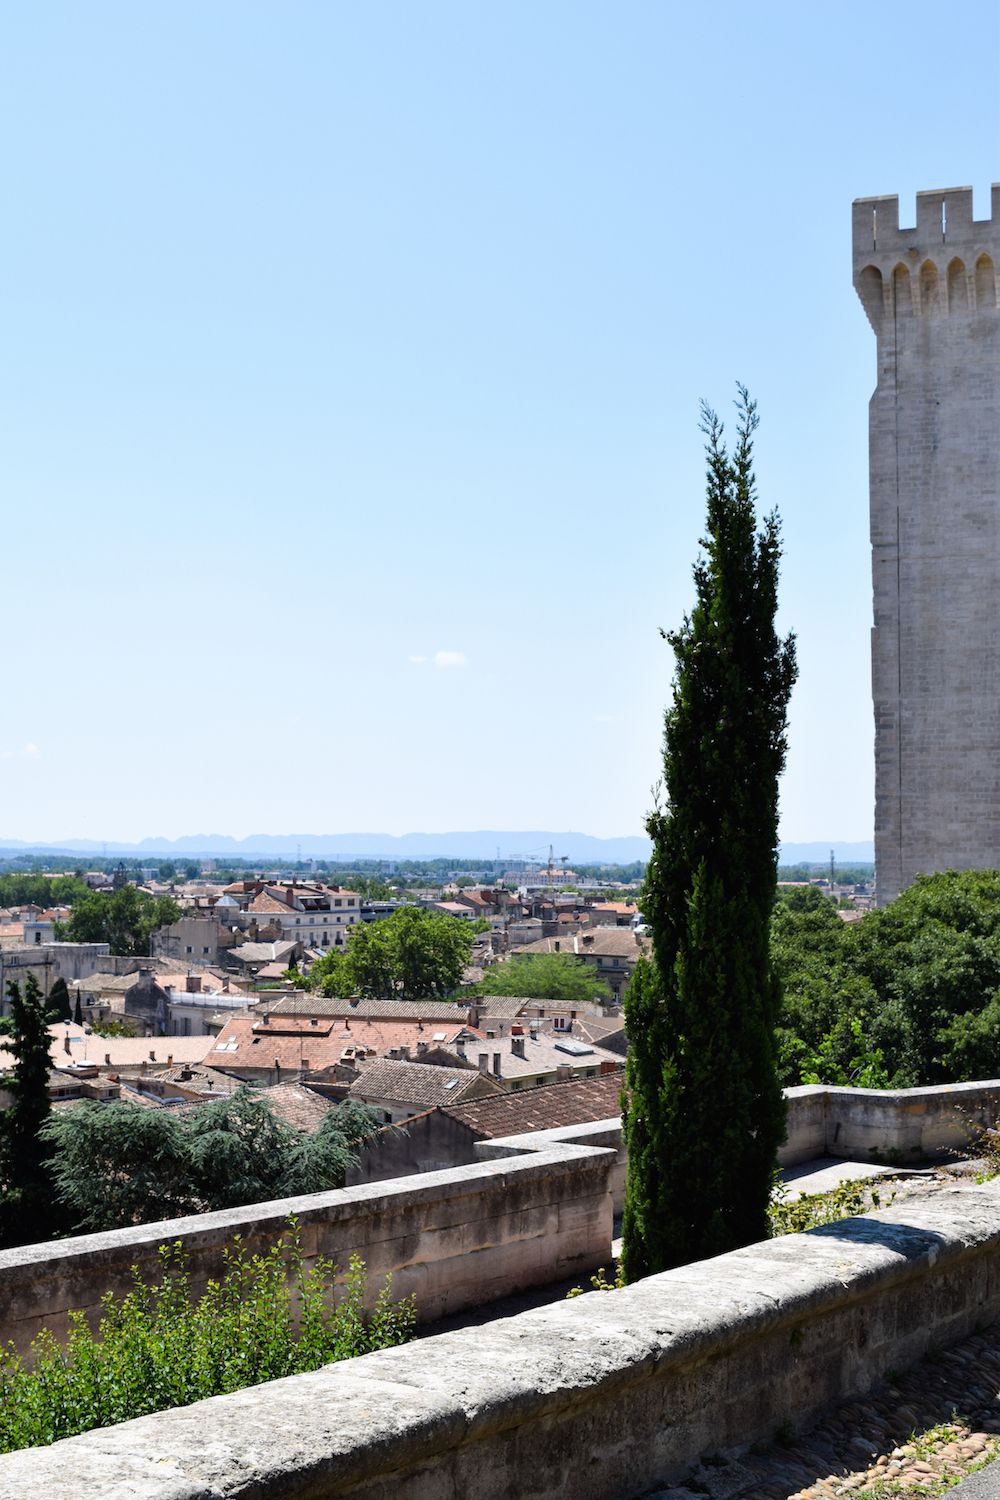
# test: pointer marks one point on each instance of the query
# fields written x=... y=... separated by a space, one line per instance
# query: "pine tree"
x=703 y=1110
x=27 y=1213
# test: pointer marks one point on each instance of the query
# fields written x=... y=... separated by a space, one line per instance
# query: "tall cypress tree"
x=27 y=1212
x=703 y=1111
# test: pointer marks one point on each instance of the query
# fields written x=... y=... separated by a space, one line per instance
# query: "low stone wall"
x=606 y=1133
x=887 y=1125
x=455 y=1239
x=601 y=1398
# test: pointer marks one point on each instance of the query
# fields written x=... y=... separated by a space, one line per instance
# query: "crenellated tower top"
x=946 y=265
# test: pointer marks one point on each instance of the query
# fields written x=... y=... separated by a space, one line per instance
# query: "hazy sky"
x=350 y=358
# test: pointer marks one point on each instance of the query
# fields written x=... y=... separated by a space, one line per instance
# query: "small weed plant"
x=844 y=1201
x=267 y=1316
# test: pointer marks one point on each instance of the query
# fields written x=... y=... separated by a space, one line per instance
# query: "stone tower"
x=934 y=454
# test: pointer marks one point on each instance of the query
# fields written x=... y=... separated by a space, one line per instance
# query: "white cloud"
x=30 y=751
x=416 y=661
x=450 y=659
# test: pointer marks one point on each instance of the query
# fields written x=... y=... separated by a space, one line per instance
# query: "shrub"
x=268 y=1316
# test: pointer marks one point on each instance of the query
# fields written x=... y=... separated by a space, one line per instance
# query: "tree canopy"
x=910 y=995
x=125 y=918
x=414 y=954
x=544 y=976
x=703 y=1110
x=115 y=1165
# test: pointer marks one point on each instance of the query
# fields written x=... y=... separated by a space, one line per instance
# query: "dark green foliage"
x=57 y=1006
x=269 y=1316
x=114 y=1165
x=908 y=996
x=27 y=1214
x=125 y=917
x=41 y=890
x=414 y=954
x=77 y=1011
x=544 y=976
x=703 y=1110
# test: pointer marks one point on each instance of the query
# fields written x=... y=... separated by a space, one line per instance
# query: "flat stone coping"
x=371 y=1421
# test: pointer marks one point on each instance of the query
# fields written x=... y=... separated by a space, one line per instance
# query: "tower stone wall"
x=930 y=294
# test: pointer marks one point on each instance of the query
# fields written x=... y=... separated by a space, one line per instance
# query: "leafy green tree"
x=114 y=1165
x=544 y=976
x=26 y=1210
x=414 y=954
x=703 y=1109
x=125 y=918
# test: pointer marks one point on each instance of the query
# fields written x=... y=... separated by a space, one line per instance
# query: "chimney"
x=404 y=1053
x=496 y=1065
x=152 y=1055
x=460 y=1049
x=313 y=1020
x=107 y=1059
x=484 y=1062
x=564 y=1073
x=517 y=1046
x=170 y=1059
x=66 y=1046
x=421 y=1048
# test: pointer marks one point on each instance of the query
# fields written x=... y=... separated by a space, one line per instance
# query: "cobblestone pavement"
x=915 y=1433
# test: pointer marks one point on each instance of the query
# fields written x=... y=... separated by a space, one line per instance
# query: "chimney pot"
x=484 y=1062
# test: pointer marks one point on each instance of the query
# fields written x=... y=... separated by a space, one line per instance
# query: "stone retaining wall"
x=455 y=1239
x=601 y=1398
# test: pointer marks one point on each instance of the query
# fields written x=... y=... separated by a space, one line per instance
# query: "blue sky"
x=350 y=359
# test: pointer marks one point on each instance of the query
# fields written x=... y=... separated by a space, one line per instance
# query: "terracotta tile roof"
x=415 y=1083
x=266 y=903
x=303 y=1004
x=298 y=1106
x=575 y=1103
x=124 y=1051
x=543 y=1054
x=620 y=942
x=251 y=1044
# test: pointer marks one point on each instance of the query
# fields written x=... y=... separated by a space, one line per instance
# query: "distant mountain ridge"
x=480 y=846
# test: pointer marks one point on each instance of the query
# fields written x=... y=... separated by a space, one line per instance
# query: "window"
x=204 y=950
x=338 y=902
x=189 y=949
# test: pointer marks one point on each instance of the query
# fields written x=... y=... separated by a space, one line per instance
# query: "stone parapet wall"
x=601 y=1398
x=454 y=1239
x=887 y=1125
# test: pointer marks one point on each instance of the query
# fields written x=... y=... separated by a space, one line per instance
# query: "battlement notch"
x=946 y=263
